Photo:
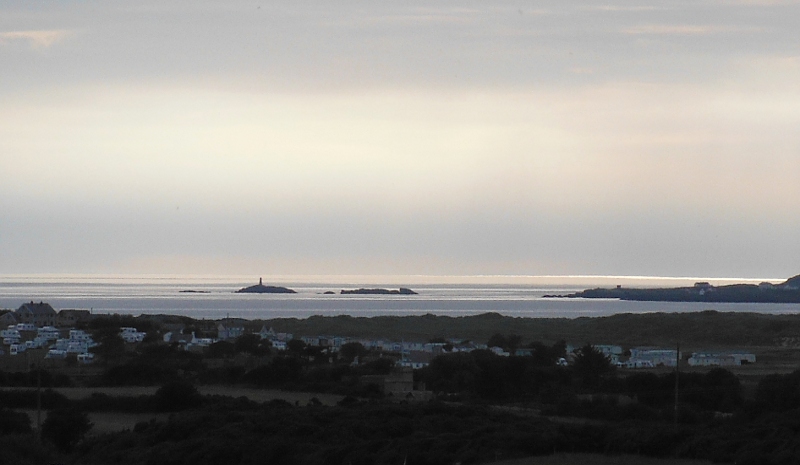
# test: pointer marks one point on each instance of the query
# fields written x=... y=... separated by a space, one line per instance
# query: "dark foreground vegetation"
x=220 y=430
x=480 y=406
x=485 y=407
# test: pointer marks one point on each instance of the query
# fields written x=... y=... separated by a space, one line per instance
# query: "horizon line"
x=376 y=276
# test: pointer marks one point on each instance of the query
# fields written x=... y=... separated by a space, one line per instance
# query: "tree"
x=252 y=344
x=497 y=340
x=590 y=365
x=176 y=396
x=110 y=345
x=221 y=349
x=351 y=350
x=12 y=422
x=508 y=343
x=780 y=392
x=295 y=346
x=65 y=427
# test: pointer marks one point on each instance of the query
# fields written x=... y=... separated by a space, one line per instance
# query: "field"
x=257 y=395
x=107 y=422
x=598 y=459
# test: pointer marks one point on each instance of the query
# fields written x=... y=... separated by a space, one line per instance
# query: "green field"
x=598 y=459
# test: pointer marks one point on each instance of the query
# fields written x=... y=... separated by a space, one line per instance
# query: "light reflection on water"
x=161 y=295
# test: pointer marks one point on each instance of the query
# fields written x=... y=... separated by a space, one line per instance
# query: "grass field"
x=256 y=395
x=107 y=422
x=597 y=459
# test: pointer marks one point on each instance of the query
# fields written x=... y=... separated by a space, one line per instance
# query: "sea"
x=214 y=297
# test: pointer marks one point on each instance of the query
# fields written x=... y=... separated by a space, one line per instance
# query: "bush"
x=176 y=396
x=65 y=427
x=12 y=422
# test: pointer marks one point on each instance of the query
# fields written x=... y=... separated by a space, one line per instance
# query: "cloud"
x=623 y=8
x=760 y=2
x=682 y=29
x=35 y=39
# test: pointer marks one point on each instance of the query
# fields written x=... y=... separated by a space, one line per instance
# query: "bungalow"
x=499 y=351
x=70 y=317
x=278 y=345
x=721 y=358
x=130 y=335
x=178 y=338
x=269 y=334
x=652 y=357
x=416 y=359
x=7 y=318
x=397 y=383
x=228 y=332
x=612 y=352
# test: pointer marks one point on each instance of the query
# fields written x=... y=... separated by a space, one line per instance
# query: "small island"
x=260 y=288
x=401 y=291
x=787 y=292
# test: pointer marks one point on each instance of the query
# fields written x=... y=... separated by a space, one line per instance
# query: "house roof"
x=76 y=312
x=37 y=309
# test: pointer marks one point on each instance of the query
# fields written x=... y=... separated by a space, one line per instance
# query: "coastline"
x=215 y=298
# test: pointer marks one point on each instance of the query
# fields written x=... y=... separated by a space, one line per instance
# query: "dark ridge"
x=401 y=291
x=787 y=292
x=260 y=288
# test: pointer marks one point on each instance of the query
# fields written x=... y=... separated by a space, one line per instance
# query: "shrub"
x=65 y=427
x=176 y=396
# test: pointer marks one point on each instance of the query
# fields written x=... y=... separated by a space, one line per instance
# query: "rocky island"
x=787 y=292
x=260 y=288
x=401 y=291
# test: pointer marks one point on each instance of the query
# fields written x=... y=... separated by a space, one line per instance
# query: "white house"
x=228 y=332
x=130 y=335
x=721 y=358
x=644 y=357
x=416 y=359
x=499 y=351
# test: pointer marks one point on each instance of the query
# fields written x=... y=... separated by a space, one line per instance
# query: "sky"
x=400 y=137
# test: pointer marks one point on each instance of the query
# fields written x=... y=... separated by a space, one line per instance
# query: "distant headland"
x=401 y=291
x=786 y=292
x=260 y=288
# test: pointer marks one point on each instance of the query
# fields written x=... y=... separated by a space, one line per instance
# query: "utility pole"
x=677 y=373
x=39 y=402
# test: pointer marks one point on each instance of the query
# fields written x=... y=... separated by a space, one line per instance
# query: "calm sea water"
x=457 y=296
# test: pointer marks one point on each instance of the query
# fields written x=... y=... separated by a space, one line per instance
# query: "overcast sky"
x=361 y=137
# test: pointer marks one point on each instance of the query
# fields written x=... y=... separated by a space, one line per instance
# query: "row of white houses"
x=651 y=357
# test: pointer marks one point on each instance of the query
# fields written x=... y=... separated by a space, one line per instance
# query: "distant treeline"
x=707 y=328
x=740 y=293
